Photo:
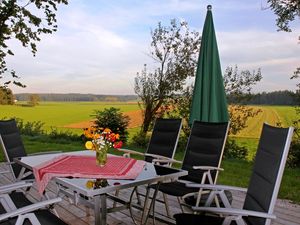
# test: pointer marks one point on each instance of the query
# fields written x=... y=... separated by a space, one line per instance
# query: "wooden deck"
x=286 y=212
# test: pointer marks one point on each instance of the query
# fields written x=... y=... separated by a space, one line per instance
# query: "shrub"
x=113 y=119
x=30 y=128
x=140 y=139
x=232 y=150
x=35 y=130
x=294 y=154
x=63 y=136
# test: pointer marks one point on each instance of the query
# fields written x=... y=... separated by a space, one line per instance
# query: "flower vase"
x=101 y=157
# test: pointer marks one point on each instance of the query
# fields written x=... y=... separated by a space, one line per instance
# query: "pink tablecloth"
x=85 y=167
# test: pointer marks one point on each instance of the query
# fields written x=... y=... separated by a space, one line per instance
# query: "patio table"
x=77 y=189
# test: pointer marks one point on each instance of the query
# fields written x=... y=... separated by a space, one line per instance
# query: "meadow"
x=271 y=115
x=60 y=114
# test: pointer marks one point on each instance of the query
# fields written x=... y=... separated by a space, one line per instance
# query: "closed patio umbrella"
x=209 y=100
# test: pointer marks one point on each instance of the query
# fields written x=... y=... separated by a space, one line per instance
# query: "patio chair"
x=263 y=187
x=12 y=146
x=163 y=141
x=162 y=146
x=202 y=160
x=15 y=208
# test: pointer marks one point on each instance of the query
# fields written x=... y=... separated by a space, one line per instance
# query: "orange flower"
x=107 y=130
x=96 y=136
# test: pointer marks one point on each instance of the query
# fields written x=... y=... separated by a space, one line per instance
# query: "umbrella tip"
x=209 y=7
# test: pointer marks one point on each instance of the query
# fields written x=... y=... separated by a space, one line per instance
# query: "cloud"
x=100 y=45
x=277 y=54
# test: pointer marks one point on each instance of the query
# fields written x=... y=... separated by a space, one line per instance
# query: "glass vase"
x=101 y=157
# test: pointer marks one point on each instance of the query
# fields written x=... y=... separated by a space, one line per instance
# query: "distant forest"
x=264 y=98
x=270 y=98
x=71 y=97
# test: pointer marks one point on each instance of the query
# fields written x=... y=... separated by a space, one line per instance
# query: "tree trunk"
x=147 y=120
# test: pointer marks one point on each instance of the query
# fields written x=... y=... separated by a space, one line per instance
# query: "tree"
x=33 y=99
x=23 y=21
x=286 y=12
x=238 y=87
x=174 y=49
x=6 y=96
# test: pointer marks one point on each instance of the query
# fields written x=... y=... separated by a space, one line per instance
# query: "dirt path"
x=135 y=121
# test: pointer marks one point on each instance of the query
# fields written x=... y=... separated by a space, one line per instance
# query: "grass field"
x=271 y=115
x=59 y=114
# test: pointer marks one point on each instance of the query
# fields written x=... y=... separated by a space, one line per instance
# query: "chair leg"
x=166 y=204
x=116 y=194
x=145 y=205
x=138 y=197
x=87 y=211
x=217 y=201
x=181 y=207
x=46 y=197
x=135 y=216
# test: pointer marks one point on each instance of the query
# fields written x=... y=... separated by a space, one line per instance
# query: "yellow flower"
x=89 y=145
x=89 y=184
x=117 y=136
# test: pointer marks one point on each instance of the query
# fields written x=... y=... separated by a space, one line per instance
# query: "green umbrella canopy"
x=209 y=99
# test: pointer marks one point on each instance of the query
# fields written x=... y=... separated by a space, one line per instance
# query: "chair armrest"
x=8 y=163
x=44 y=153
x=207 y=168
x=157 y=156
x=29 y=208
x=166 y=161
x=216 y=187
x=237 y=212
x=186 y=182
x=12 y=187
x=130 y=151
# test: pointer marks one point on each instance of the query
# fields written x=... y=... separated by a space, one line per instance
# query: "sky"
x=100 y=45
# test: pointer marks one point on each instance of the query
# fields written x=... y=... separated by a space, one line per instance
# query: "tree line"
x=269 y=98
x=70 y=97
x=264 y=98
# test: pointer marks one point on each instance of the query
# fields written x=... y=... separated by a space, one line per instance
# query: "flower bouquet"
x=101 y=140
